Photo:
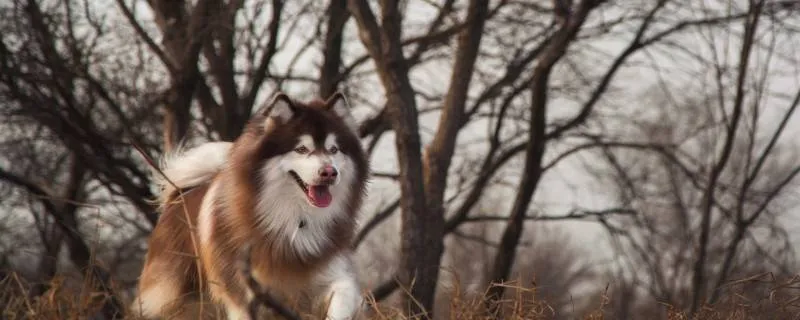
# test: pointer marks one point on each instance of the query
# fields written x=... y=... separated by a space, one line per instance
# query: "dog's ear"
x=340 y=106
x=280 y=109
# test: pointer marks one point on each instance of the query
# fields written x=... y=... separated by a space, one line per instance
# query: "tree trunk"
x=439 y=153
x=385 y=48
x=329 y=73
x=184 y=34
x=556 y=48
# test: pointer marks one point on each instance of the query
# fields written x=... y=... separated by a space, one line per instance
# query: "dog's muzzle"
x=319 y=194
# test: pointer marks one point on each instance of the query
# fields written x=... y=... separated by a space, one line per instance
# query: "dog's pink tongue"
x=320 y=196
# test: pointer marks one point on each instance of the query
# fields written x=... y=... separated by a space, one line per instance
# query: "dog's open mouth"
x=318 y=195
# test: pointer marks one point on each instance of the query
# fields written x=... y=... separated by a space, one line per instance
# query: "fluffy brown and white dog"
x=288 y=188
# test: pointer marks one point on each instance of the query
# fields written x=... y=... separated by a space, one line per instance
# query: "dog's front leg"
x=341 y=292
x=345 y=299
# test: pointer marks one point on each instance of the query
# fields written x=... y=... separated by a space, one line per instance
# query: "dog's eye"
x=301 y=150
x=333 y=150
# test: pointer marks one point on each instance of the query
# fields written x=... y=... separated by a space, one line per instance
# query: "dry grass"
x=60 y=301
x=758 y=297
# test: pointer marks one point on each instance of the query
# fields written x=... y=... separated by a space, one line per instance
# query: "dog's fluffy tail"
x=185 y=168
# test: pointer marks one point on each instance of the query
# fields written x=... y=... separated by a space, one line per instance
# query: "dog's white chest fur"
x=306 y=234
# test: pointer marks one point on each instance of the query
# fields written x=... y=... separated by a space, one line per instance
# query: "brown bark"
x=184 y=34
x=422 y=231
x=535 y=149
x=222 y=28
x=383 y=44
x=439 y=153
x=329 y=74
x=379 y=124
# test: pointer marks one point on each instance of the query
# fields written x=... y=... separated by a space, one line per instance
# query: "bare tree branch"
x=146 y=38
x=698 y=279
x=573 y=215
x=535 y=149
x=375 y=222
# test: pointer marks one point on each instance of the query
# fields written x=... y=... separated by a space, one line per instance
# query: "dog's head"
x=308 y=154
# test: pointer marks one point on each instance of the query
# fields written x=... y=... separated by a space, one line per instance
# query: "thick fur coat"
x=288 y=189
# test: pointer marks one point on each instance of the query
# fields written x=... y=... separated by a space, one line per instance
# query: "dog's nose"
x=328 y=172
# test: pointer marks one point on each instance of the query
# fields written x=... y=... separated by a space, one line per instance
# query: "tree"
x=479 y=98
x=711 y=181
x=421 y=204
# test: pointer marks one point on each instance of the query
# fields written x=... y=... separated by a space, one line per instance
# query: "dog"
x=287 y=191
